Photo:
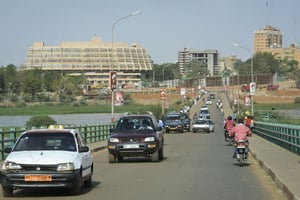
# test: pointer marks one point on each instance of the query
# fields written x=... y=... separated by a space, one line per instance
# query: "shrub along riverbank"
x=43 y=109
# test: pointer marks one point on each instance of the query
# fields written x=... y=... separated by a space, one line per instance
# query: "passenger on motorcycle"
x=241 y=131
x=229 y=124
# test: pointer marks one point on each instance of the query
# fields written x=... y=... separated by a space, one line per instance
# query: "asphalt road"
x=195 y=166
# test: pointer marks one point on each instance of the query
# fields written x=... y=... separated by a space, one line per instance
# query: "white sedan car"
x=47 y=158
x=208 y=101
x=201 y=125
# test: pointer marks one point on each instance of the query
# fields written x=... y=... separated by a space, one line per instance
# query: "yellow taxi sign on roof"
x=56 y=126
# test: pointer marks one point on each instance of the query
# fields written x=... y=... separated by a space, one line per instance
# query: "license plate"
x=241 y=150
x=131 y=146
x=38 y=178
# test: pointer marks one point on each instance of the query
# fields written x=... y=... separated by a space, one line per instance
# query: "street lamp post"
x=112 y=57
x=252 y=78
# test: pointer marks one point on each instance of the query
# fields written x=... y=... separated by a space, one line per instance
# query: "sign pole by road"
x=162 y=97
x=113 y=86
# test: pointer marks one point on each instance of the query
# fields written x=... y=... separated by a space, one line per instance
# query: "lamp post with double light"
x=112 y=72
x=252 y=77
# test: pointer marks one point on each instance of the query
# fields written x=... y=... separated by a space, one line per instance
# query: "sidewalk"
x=98 y=146
x=281 y=165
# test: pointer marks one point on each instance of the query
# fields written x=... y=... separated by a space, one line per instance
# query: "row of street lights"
x=112 y=65
x=252 y=78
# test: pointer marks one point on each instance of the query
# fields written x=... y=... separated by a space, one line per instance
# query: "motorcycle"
x=241 y=151
x=228 y=138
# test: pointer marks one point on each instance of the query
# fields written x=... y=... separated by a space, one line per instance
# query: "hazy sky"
x=164 y=27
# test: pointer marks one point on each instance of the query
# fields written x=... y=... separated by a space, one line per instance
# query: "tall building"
x=210 y=57
x=267 y=38
x=270 y=40
x=95 y=59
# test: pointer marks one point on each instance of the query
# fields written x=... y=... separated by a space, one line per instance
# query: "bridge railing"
x=91 y=133
x=284 y=135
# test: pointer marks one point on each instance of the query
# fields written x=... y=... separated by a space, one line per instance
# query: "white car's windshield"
x=46 y=141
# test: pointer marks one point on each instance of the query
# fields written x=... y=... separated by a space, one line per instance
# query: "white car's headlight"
x=149 y=139
x=65 y=167
x=11 y=166
x=114 y=140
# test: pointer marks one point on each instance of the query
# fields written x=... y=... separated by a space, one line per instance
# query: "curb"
x=93 y=150
x=287 y=192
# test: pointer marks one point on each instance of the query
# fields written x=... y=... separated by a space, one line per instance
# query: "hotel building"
x=94 y=59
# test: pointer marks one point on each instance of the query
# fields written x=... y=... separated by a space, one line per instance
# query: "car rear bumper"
x=195 y=129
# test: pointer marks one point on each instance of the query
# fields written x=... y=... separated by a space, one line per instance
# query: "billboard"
x=252 y=88
x=119 y=98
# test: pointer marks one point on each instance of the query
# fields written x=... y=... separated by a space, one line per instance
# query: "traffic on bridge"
x=194 y=166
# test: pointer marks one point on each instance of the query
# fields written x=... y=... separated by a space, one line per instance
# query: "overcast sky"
x=164 y=27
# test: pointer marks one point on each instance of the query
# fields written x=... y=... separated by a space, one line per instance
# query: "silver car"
x=211 y=126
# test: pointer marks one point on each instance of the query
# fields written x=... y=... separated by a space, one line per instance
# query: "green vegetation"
x=40 y=120
x=270 y=113
x=37 y=92
x=77 y=109
x=277 y=106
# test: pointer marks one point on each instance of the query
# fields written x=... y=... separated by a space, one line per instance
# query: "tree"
x=10 y=77
x=296 y=77
x=160 y=72
x=263 y=62
x=287 y=67
x=33 y=82
x=2 y=79
x=49 y=79
x=197 y=69
x=67 y=87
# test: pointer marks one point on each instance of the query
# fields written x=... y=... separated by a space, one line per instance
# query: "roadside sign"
x=113 y=80
x=162 y=95
x=252 y=88
x=182 y=91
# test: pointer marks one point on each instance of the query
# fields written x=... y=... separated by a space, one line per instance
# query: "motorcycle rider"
x=229 y=124
x=240 y=132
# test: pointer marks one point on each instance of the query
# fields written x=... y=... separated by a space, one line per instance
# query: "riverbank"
x=70 y=119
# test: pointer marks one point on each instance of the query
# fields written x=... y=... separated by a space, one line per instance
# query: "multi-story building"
x=267 y=38
x=94 y=59
x=210 y=57
x=270 y=40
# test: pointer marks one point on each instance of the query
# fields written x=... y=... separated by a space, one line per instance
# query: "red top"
x=240 y=132
x=229 y=124
x=248 y=121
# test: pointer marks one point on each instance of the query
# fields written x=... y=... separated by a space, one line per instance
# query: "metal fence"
x=283 y=135
x=91 y=133
x=286 y=136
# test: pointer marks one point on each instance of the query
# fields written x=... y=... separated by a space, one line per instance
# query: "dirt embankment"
x=153 y=98
x=262 y=96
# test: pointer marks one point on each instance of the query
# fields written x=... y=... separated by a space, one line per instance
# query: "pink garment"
x=229 y=125
x=240 y=132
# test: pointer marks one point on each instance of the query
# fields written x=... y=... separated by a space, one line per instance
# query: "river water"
x=90 y=119
x=72 y=119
